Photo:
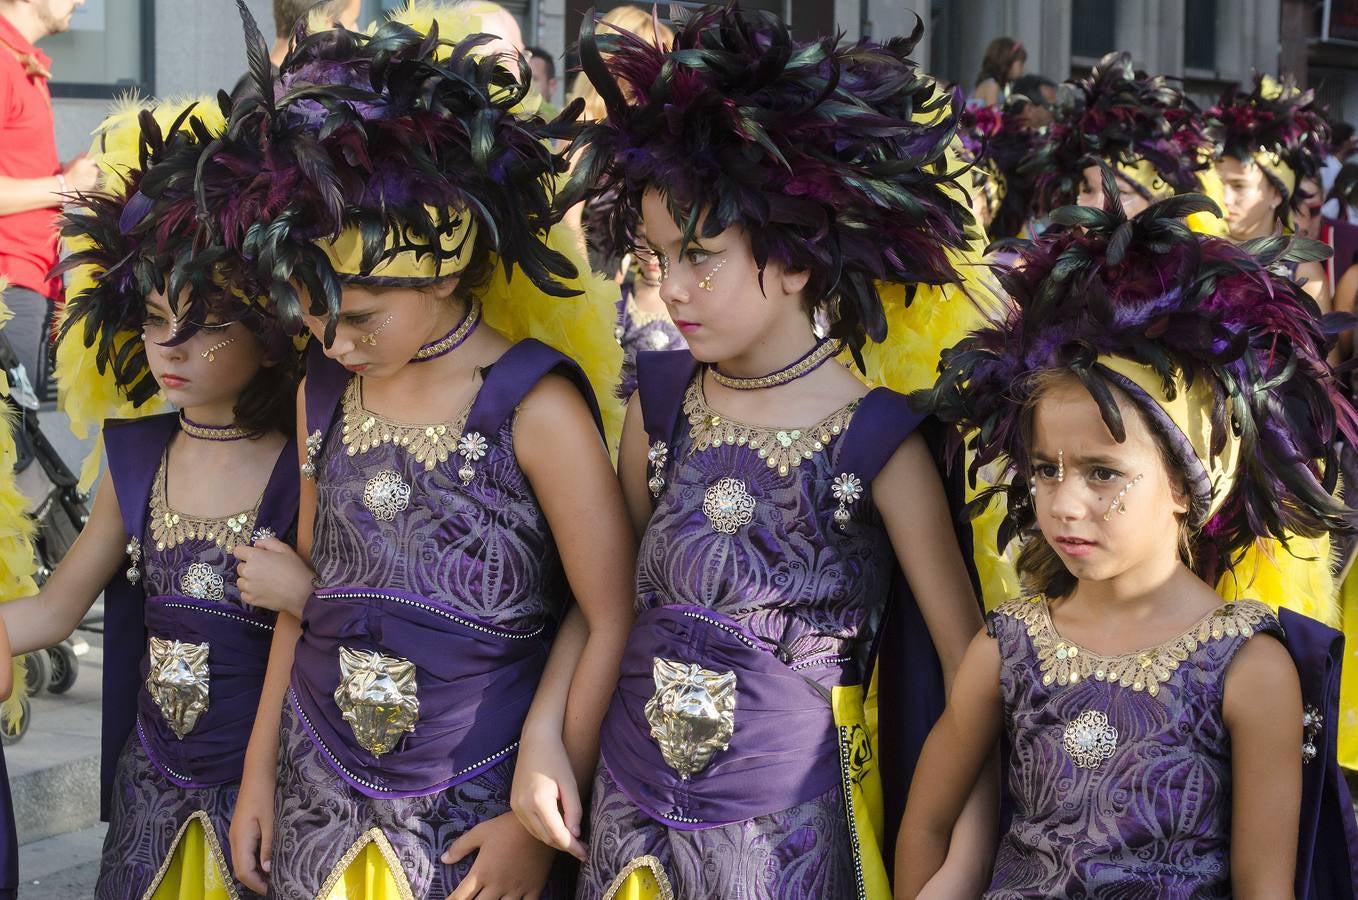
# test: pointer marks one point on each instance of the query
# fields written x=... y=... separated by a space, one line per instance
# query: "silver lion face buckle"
x=377 y=696
x=692 y=714
x=178 y=682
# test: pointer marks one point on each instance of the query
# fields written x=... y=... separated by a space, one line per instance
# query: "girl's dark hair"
x=1040 y=569
x=1000 y=57
x=269 y=401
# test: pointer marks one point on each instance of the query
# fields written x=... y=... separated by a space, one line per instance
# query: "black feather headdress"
x=399 y=137
x=1276 y=125
x=142 y=235
x=1196 y=313
x=831 y=155
x=1123 y=119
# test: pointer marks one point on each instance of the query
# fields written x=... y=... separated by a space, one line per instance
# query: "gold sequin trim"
x=780 y=448
x=170 y=528
x=643 y=317
x=214 y=848
x=375 y=837
x=362 y=430
x=641 y=862
x=1063 y=662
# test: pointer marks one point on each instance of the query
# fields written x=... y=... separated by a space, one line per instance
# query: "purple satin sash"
x=213 y=752
x=784 y=748
x=474 y=684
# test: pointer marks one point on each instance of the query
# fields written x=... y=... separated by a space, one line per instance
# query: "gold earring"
x=371 y=337
x=706 y=283
x=210 y=354
x=1117 y=503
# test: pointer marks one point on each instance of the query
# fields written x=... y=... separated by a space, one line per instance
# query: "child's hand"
x=271 y=575
x=251 y=834
x=510 y=862
x=545 y=795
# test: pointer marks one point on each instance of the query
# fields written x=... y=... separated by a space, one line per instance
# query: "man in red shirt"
x=32 y=180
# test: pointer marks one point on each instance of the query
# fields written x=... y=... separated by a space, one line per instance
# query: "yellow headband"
x=1272 y=163
x=1190 y=414
x=458 y=239
x=1144 y=175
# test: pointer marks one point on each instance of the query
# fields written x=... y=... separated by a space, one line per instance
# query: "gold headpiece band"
x=458 y=239
x=1190 y=414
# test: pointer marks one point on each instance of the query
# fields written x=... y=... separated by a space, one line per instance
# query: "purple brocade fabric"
x=148 y=812
x=640 y=334
x=793 y=578
x=318 y=816
x=483 y=549
x=1152 y=819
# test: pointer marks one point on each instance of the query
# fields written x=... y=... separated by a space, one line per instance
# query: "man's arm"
x=23 y=194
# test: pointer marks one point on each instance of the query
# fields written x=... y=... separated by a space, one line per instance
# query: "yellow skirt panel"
x=369 y=870
x=196 y=867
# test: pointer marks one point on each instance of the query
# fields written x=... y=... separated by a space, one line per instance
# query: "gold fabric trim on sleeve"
x=375 y=837
x=780 y=448
x=641 y=862
x=214 y=849
x=1063 y=662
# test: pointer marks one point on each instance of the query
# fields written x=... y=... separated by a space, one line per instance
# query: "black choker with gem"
x=810 y=362
x=215 y=432
x=453 y=339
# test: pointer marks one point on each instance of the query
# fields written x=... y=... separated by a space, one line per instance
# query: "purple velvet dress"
x=1120 y=773
x=754 y=538
x=465 y=536
x=164 y=780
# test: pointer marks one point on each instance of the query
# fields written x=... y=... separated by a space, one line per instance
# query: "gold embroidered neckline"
x=1064 y=662
x=170 y=528
x=641 y=317
x=362 y=430
x=780 y=448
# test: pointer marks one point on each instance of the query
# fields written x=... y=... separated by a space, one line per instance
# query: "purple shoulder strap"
x=1327 y=845
x=134 y=448
x=278 y=507
x=662 y=378
x=513 y=375
x=882 y=423
x=325 y=383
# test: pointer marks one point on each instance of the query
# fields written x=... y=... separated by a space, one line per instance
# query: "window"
x=1093 y=25
x=108 y=50
x=1200 y=34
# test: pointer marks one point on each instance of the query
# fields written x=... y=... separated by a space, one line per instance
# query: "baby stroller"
x=60 y=511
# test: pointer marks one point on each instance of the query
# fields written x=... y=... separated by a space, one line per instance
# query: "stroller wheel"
x=37 y=672
x=65 y=667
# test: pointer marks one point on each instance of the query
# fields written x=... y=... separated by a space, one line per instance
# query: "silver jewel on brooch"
x=313 y=449
x=473 y=447
x=692 y=713
x=658 y=340
x=262 y=534
x=657 y=457
x=1090 y=739
x=619 y=333
x=201 y=582
x=847 y=488
x=385 y=495
x=1311 y=722
x=728 y=505
x=377 y=696
x=178 y=682
x=134 y=558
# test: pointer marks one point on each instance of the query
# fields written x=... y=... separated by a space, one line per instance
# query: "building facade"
x=185 y=47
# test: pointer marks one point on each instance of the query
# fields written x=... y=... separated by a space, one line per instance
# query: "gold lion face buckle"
x=178 y=682
x=692 y=714
x=377 y=696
